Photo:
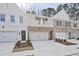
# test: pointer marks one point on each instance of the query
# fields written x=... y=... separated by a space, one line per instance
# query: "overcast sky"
x=37 y=6
x=48 y=5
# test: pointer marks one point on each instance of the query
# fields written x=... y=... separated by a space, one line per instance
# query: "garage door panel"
x=38 y=36
x=9 y=36
x=61 y=35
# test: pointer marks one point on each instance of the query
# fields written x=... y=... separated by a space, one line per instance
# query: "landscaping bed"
x=23 y=46
x=66 y=43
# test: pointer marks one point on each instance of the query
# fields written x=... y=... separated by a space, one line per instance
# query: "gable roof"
x=61 y=15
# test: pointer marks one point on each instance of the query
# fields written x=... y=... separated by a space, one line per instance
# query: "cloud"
x=26 y=6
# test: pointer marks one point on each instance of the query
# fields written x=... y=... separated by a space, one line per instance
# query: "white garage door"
x=60 y=35
x=38 y=36
x=8 y=36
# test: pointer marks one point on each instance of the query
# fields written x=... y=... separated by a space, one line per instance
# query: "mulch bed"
x=23 y=46
x=66 y=43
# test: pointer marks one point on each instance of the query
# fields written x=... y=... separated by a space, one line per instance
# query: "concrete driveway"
x=51 y=48
x=42 y=48
x=6 y=48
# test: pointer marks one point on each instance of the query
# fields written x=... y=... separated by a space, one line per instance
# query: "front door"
x=50 y=35
x=23 y=35
x=69 y=35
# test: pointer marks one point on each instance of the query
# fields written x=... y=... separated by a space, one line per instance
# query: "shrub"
x=18 y=43
x=64 y=40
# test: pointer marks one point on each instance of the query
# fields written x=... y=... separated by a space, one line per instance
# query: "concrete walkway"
x=6 y=48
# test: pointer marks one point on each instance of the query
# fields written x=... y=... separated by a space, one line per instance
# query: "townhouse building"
x=48 y=28
x=16 y=25
x=13 y=23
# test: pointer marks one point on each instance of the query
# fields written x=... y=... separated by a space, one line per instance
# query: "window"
x=59 y=23
x=21 y=19
x=38 y=20
x=2 y=17
x=41 y=20
x=74 y=24
x=12 y=18
x=68 y=24
x=44 y=20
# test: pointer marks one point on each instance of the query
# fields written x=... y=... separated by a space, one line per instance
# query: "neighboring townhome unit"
x=62 y=25
x=39 y=27
x=75 y=26
x=16 y=25
x=48 y=28
x=13 y=23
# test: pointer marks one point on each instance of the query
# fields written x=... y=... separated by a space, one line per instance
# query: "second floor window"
x=41 y=20
x=74 y=24
x=21 y=19
x=38 y=20
x=68 y=24
x=12 y=18
x=58 y=23
x=44 y=20
x=2 y=17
